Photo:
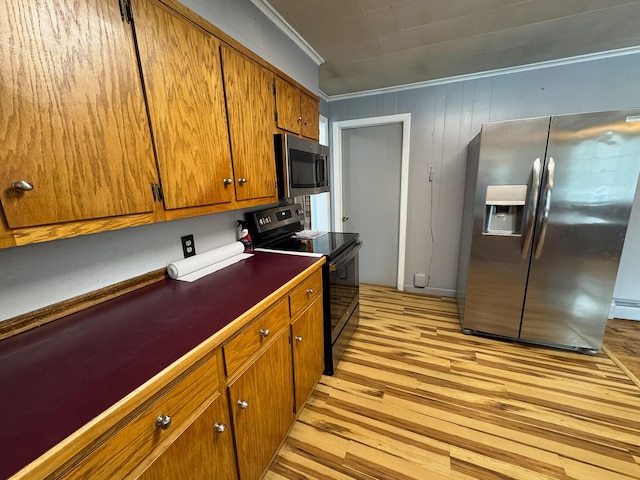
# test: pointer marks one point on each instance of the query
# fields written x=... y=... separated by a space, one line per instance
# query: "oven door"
x=344 y=288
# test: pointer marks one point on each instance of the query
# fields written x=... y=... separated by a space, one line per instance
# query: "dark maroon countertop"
x=57 y=377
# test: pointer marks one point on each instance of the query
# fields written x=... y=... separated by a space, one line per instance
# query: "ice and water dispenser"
x=504 y=210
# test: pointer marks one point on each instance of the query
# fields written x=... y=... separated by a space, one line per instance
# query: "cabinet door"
x=261 y=402
x=183 y=83
x=308 y=351
x=73 y=122
x=288 y=106
x=203 y=452
x=250 y=104
x=310 y=117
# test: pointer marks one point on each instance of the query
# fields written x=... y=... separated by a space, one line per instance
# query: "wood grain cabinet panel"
x=255 y=336
x=288 y=106
x=203 y=452
x=261 y=402
x=73 y=122
x=310 y=117
x=305 y=293
x=142 y=439
x=297 y=112
x=183 y=81
x=250 y=107
x=308 y=351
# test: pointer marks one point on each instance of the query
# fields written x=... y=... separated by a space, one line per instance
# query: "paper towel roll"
x=202 y=260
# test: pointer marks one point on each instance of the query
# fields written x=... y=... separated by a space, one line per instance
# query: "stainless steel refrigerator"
x=547 y=202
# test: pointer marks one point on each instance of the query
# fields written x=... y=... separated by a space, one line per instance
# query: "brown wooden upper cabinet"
x=250 y=106
x=182 y=76
x=109 y=106
x=75 y=142
x=297 y=112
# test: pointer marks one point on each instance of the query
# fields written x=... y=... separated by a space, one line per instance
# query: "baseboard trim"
x=438 y=292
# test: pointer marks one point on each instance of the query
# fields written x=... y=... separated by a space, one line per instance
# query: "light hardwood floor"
x=414 y=398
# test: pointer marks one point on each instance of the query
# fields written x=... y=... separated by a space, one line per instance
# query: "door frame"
x=336 y=190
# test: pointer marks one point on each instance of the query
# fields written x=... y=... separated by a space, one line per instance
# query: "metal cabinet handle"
x=227 y=181
x=219 y=427
x=551 y=169
x=264 y=332
x=163 y=421
x=22 y=186
x=298 y=338
x=299 y=119
x=310 y=291
x=242 y=180
x=533 y=207
x=242 y=404
x=306 y=122
x=345 y=218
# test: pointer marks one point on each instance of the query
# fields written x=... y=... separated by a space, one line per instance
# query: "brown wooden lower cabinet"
x=261 y=401
x=308 y=353
x=203 y=452
x=144 y=437
x=224 y=416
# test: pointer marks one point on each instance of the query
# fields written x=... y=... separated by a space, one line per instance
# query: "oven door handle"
x=346 y=256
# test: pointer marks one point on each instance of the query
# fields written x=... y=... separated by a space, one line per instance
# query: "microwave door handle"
x=533 y=207
x=320 y=170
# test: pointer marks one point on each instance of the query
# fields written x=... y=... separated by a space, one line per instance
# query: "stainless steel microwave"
x=302 y=166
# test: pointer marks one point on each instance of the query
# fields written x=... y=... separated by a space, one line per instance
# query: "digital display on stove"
x=283 y=215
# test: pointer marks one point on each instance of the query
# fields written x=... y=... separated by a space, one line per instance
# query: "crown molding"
x=489 y=73
x=287 y=29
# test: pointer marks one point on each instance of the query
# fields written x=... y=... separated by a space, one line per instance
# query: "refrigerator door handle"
x=551 y=168
x=533 y=207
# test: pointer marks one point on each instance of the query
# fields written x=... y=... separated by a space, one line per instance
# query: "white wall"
x=244 y=22
x=445 y=117
x=38 y=275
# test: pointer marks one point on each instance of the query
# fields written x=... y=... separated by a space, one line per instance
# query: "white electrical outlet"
x=419 y=280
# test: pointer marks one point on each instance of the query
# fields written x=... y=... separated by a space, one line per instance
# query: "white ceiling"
x=372 y=44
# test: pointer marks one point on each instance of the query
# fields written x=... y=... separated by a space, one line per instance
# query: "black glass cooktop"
x=330 y=244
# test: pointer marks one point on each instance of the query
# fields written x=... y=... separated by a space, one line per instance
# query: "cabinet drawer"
x=252 y=338
x=305 y=293
x=138 y=439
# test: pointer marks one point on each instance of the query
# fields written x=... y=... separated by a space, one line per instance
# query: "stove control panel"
x=271 y=219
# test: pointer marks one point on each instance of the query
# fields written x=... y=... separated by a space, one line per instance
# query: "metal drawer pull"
x=298 y=338
x=219 y=427
x=163 y=421
x=309 y=291
x=264 y=332
x=242 y=180
x=227 y=181
x=22 y=186
x=242 y=404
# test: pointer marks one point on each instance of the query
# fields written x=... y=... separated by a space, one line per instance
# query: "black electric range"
x=276 y=228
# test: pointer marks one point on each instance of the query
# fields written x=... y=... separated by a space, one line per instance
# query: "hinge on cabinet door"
x=156 y=190
x=160 y=192
x=125 y=10
x=122 y=9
